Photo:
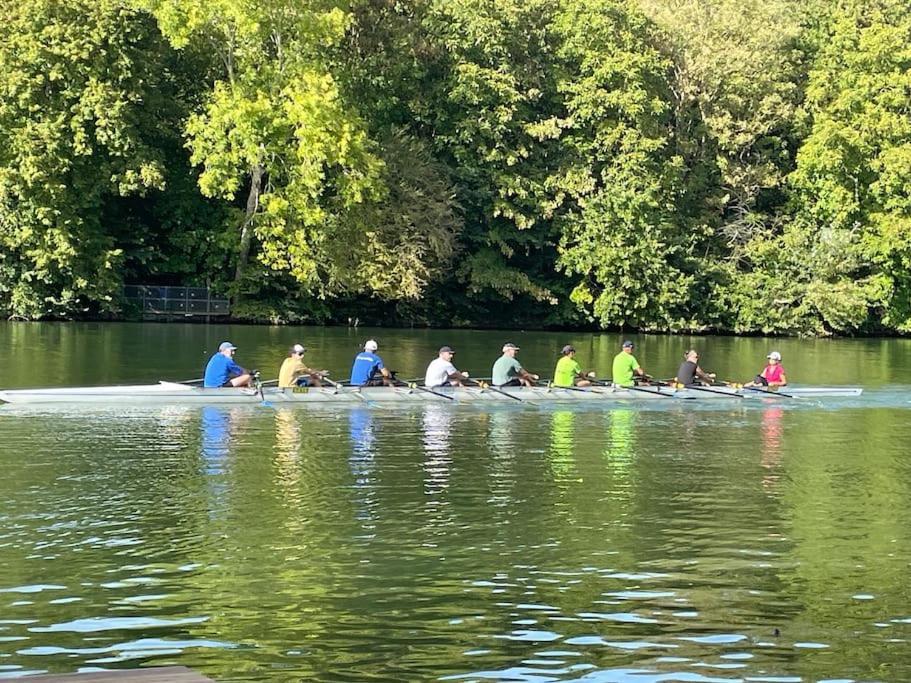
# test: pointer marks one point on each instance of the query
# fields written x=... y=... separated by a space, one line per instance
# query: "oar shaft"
x=497 y=391
x=635 y=388
x=430 y=391
x=770 y=393
x=582 y=389
x=709 y=390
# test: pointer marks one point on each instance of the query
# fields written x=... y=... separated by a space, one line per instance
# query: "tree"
x=87 y=103
x=735 y=85
x=278 y=125
x=851 y=184
x=620 y=175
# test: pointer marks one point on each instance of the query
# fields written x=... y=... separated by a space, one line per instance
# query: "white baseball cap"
x=371 y=345
x=297 y=348
x=774 y=356
x=225 y=345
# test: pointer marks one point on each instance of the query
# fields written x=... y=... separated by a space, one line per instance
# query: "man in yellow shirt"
x=626 y=367
x=294 y=373
x=568 y=372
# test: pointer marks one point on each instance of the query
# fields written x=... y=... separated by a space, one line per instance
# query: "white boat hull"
x=182 y=394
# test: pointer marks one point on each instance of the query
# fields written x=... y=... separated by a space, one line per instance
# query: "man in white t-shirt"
x=442 y=373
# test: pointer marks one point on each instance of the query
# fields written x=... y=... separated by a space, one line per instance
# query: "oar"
x=415 y=385
x=697 y=387
x=258 y=386
x=355 y=391
x=582 y=389
x=191 y=381
x=332 y=384
x=485 y=385
x=646 y=391
x=770 y=393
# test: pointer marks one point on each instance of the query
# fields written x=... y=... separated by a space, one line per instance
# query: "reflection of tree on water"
x=437 y=423
x=562 y=425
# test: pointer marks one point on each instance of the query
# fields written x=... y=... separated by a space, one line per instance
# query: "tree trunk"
x=246 y=228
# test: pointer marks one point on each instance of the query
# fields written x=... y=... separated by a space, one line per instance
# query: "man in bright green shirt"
x=568 y=372
x=626 y=367
x=508 y=372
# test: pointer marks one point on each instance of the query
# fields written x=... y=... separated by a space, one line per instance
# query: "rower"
x=508 y=372
x=222 y=371
x=294 y=373
x=568 y=372
x=772 y=375
x=367 y=365
x=689 y=370
x=441 y=372
x=626 y=367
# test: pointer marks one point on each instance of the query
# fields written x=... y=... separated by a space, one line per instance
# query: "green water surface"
x=673 y=541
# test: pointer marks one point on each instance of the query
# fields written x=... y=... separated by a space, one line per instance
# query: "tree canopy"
x=669 y=165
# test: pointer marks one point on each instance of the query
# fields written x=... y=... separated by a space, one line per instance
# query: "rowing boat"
x=175 y=393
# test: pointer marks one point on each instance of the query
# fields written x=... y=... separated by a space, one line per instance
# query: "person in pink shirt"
x=772 y=375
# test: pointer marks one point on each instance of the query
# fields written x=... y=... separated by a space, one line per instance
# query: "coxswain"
x=294 y=373
x=772 y=375
x=689 y=370
x=568 y=372
x=508 y=372
x=626 y=368
x=441 y=372
x=222 y=371
x=367 y=365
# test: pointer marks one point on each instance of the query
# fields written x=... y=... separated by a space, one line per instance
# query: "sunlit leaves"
x=83 y=88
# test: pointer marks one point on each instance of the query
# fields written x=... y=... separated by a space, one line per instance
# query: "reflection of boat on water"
x=178 y=394
x=437 y=425
x=362 y=432
x=621 y=433
x=562 y=427
x=772 y=431
x=216 y=438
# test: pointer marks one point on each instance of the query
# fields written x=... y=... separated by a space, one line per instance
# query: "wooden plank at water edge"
x=161 y=674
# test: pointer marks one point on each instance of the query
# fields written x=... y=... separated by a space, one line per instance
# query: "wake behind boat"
x=167 y=393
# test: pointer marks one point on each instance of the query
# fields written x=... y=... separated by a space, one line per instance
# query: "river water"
x=684 y=542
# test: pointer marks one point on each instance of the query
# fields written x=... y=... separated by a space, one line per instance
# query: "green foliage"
x=495 y=91
x=620 y=234
x=735 y=89
x=656 y=164
x=85 y=99
x=853 y=168
x=807 y=284
x=330 y=212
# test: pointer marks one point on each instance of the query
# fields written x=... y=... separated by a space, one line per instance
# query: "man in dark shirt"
x=689 y=370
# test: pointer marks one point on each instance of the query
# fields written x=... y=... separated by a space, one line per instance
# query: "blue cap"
x=628 y=344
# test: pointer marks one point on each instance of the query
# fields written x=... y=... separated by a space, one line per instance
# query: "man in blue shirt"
x=222 y=371
x=366 y=365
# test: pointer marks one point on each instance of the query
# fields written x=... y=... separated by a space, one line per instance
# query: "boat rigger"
x=166 y=393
